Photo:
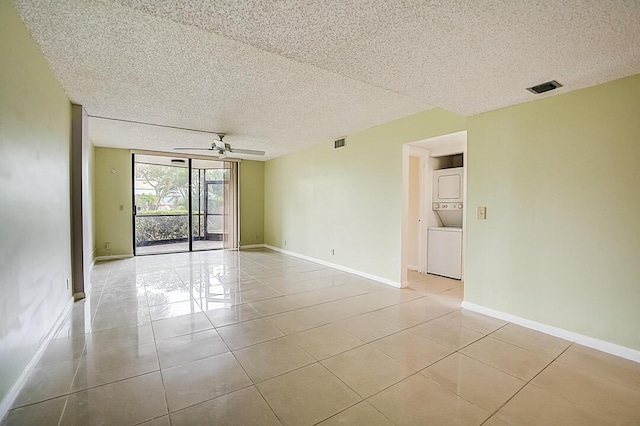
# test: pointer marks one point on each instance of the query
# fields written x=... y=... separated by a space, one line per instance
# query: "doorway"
x=214 y=205
x=420 y=159
x=183 y=204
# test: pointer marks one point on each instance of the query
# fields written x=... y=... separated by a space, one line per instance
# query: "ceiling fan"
x=222 y=148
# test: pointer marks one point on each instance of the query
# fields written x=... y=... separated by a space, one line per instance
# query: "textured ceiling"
x=280 y=75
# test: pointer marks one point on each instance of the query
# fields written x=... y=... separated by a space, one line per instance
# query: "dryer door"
x=447 y=185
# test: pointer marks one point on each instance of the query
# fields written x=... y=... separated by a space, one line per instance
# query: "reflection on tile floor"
x=178 y=247
x=258 y=337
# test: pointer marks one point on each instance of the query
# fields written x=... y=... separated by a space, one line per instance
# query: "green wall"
x=348 y=199
x=112 y=200
x=35 y=236
x=561 y=182
x=251 y=202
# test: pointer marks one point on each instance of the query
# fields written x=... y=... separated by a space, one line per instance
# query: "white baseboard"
x=252 y=246
x=336 y=266
x=113 y=257
x=11 y=396
x=413 y=267
x=581 y=339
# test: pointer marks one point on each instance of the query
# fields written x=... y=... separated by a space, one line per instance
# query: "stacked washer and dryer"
x=444 y=243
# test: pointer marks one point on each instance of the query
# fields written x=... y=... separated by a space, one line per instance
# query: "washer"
x=444 y=252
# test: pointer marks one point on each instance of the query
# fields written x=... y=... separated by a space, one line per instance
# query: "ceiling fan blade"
x=246 y=151
x=192 y=149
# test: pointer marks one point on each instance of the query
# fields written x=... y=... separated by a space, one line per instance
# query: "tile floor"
x=260 y=338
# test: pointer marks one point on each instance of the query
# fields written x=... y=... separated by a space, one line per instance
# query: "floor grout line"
x=526 y=382
x=164 y=388
x=283 y=271
x=252 y=382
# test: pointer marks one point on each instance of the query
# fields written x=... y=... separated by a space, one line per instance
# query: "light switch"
x=121 y=207
x=481 y=213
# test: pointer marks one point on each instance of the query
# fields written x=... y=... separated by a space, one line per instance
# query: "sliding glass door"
x=215 y=203
x=168 y=204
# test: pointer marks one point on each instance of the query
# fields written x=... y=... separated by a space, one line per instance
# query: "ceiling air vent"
x=339 y=143
x=544 y=87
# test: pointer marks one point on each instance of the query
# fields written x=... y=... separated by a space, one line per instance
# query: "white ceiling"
x=281 y=75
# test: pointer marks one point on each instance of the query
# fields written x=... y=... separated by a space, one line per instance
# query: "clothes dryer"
x=448 y=193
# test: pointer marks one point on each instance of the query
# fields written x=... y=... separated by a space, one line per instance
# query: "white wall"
x=414 y=213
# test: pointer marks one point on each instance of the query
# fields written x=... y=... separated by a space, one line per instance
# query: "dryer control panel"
x=447 y=206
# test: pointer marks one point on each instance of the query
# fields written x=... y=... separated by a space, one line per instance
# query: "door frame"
x=206 y=205
x=423 y=154
x=234 y=182
x=448 y=144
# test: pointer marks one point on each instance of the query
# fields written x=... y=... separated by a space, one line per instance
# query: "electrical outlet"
x=481 y=213
x=67 y=283
x=285 y=242
x=107 y=245
x=333 y=252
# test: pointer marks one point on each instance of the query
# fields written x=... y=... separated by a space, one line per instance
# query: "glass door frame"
x=234 y=187
x=206 y=205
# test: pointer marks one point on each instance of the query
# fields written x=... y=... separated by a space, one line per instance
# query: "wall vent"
x=544 y=87
x=339 y=143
